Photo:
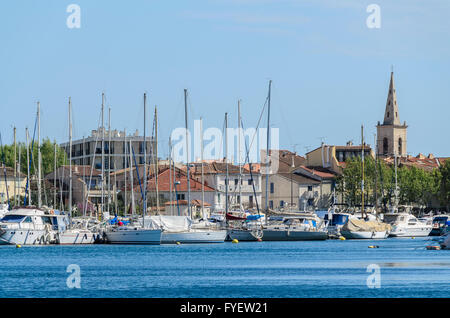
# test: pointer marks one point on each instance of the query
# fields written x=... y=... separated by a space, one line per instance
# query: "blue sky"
x=330 y=72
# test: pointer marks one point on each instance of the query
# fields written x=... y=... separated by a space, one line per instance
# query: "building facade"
x=88 y=151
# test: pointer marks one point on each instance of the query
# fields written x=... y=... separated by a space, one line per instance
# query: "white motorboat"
x=301 y=227
x=30 y=226
x=407 y=225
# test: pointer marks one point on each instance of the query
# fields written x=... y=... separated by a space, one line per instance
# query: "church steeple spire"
x=391 y=135
x=391 y=116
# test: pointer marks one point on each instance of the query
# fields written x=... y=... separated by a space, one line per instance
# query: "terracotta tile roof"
x=184 y=202
x=164 y=179
x=318 y=171
x=215 y=167
x=420 y=161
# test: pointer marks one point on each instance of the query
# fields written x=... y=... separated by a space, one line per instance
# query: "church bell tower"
x=391 y=135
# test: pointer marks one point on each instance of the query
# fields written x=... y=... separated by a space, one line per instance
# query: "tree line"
x=417 y=187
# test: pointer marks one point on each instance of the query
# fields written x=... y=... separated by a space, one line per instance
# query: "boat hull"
x=23 y=237
x=193 y=237
x=285 y=235
x=419 y=232
x=75 y=237
x=364 y=235
x=139 y=236
x=240 y=235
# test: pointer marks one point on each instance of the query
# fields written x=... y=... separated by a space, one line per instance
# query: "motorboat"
x=295 y=227
x=32 y=226
x=406 y=225
x=439 y=224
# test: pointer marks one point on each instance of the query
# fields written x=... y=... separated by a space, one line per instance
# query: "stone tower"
x=391 y=135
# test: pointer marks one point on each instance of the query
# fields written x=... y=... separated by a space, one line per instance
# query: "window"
x=281 y=203
x=385 y=146
x=249 y=181
x=399 y=146
x=271 y=204
x=272 y=187
x=180 y=196
x=388 y=114
x=309 y=188
x=236 y=181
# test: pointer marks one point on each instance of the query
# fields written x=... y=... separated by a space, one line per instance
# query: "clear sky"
x=330 y=72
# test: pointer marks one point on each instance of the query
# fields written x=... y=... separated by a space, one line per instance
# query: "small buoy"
x=259 y=240
x=178 y=243
x=373 y=246
x=412 y=237
x=342 y=238
x=433 y=247
x=234 y=241
x=18 y=246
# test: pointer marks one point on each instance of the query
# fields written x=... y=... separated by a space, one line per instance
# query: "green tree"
x=444 y=184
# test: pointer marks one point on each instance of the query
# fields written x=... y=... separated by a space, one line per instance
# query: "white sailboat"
x=183 y=229
x=77 y=232
x=137 y=232
x=364 y=226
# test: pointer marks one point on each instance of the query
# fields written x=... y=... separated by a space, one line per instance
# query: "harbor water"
x=331 y=268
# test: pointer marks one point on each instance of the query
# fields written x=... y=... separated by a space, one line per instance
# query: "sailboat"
x=364 y=226
x=183 y=229
x=77 y=231
x=137 y=232
x=242 y=225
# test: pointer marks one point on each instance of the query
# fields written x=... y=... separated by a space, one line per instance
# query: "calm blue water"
x=265 y=269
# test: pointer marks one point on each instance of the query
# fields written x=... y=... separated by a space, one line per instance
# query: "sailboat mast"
x=28 y=168
x=156 y=160
x=70 y=158
x=226 y=163
x=132 y=181
x=187 y=154
x=170 y=175
x=15 y=169
x=144 y=212
x=39 y=154
x=267 y=151
x=376 y=174
x=109 y=159
x=239 y=152
x=125 y=165
x=362 y=170
x=203 y=178
x=54 y=177
x=103 y=154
